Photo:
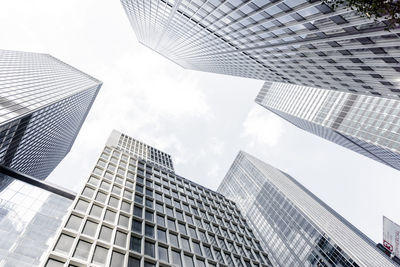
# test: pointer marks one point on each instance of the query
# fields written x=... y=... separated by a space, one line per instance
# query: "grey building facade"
x=43 y=104
x=292 y=41
x=30 y=217
x=368 y=125
x=135 y=212
x=295 y=227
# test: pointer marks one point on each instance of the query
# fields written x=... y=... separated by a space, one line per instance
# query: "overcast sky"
x=201 y=119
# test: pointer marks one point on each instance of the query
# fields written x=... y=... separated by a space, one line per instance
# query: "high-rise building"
x=43 y=103
x=365 y=124
x=292 y=41
x=296 y=228
x=30 y=217
x=136 y=211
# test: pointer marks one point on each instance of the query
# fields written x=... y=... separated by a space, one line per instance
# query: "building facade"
x=292 y=41
x=30 y=217
x=295 y=227
x=43 y=104
x=368 y=125
x=134 y=212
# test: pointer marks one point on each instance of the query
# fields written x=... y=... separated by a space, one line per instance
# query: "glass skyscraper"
x=29 y=220
x=292 y=41
x=43 y=103
x=134 y=210
x=295 y=227
x=365 y=124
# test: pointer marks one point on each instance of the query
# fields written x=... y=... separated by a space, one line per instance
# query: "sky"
x=202 y=119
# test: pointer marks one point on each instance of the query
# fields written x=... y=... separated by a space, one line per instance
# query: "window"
x=161 y=235
x=90 y=228
x=169 y=211
x=208 y=252
x=100 y=255
x=149 y=249
x=88 y=192
x=101 y=197
x=185 y=244
x=160 y=220
x=82 y=205
x=200 y=263
x=82 y=250
x=105 y=233
x=163 y=253
x=137 y=211
x=149 y=203
x=196 y=248
x=192 y=232
x=64 y=243
x=96 y=211
x=137 y=226
x=149 y=230
x=139 y=199
x=110 y=216
x=188 y=261
x=54 y=263
x=74 y=222
x=173 y=239
x=176 y=258
x=113 y=202
x=182 y=228
x=125 y=206
x=123 y=221
x=171 y=224
x=117 y=259
x=149 y=264
x=136 y=244
x=179 y=215
x=133 y=262
x=149 y=215
x=159 y=207
x=120 y=239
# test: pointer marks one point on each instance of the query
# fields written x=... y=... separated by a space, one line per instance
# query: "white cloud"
x=262 y=127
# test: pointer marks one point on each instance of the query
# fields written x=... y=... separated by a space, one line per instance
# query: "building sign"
x=391 y=236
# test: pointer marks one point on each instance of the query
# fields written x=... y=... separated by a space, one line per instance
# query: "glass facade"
x=295 y=227
x=43 y=103
x=29 y=220
x=368 y=125
x=133 y=212
x=292 y=41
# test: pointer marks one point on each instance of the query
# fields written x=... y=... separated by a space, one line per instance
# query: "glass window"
x=171 y=224
x=104 y=185
x=188 y=261
x=196 y=248
x=90 y=228
x=54 y=263
x=74 y=222
x=200 y=263
x=105 y=233
x=161 y=235
x=123 y=221
x=64 y=243
x=82 y=250
x=179 y=215
x=125 y=206
x=192 y=232
x=139 y=199
x=149 y=203
x=160 y=220
x=110 y=216
x=137 y=226
x=149 y=230
x=96 y=211
x=149 y=249
x=137 y=211
x=113 y=202
x=82 y=205
x=88 y=192
x=117 y=259
x=163 y=253
x=149 y=264
x=176 y=258
x=173 y=239
x=182 y=228
x=101 y=197
x=136 y=244
x=120 y=239
x=100 y=255
x=149 y=215
x=185 y=244
x=133 y=262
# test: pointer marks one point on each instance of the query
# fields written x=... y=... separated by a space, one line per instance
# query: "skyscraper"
x=43 y=103
x=295 y=227
x=293 y=41
x=365 y=124
x=136 y=211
